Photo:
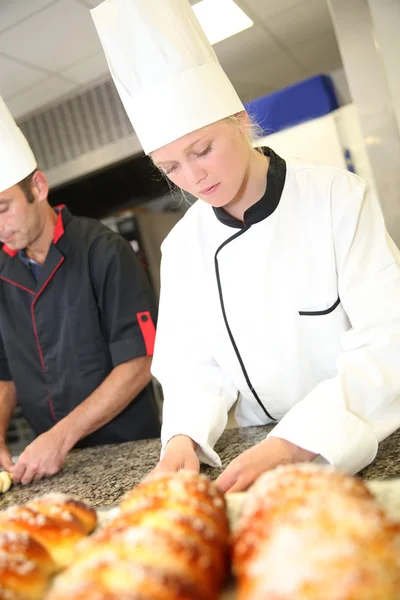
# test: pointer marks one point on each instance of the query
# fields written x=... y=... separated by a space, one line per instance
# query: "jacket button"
x=144 y=318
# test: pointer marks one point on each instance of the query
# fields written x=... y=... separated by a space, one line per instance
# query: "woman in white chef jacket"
x=280 y=286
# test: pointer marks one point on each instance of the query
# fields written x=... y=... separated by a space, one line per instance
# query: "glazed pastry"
x=311 y=533
x=169 y=542
x=25 y=566
x=36 y=540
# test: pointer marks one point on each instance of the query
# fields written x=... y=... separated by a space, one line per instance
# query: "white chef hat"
x=16 y=157
x=165 y=70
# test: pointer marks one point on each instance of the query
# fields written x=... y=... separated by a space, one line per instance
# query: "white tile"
x=87 y=70
x=251 y=91
x=268 y=8
x=15 y=77
x=318 y=55
x=271 y=70
x=12 y=11
x=53 y=39
x=92 y=3
x=305 y=21
x=39 y=95
x=280 y=77
x=253 y=43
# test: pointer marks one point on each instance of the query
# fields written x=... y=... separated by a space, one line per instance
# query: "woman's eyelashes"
x=198 y=154
x=205 y=152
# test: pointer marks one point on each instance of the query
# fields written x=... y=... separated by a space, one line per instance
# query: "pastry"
x=37 y=540
x=312 y=533
x=5 y=481
x=169 y=542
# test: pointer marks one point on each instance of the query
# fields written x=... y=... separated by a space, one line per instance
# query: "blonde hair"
x=243 y=121
x=249 y=125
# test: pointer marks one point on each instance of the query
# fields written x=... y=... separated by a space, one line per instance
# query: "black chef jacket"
x=60 y=337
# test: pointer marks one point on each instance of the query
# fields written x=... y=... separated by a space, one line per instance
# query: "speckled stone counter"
x=103 y=474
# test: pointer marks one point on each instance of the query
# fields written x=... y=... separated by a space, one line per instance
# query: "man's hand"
x=180 y=453
x=42 y=458
x=266 y=455
x=5 y=457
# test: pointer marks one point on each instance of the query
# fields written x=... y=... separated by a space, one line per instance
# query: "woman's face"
x=209 y=163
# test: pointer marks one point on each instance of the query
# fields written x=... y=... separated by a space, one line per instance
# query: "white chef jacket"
x=296 y=311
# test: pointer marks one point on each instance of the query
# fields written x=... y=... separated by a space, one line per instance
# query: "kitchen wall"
x=91 y=131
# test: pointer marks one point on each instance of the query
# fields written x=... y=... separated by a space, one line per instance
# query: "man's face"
x=20 y=221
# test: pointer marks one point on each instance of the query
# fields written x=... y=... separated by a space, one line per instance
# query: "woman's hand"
x=266 y=455
x=180 y=453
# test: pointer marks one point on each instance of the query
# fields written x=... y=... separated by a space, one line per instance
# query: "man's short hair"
x=26 y=187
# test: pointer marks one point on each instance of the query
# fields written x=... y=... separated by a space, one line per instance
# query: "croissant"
x=311 y=533
x=169 y=542
x=38 y=539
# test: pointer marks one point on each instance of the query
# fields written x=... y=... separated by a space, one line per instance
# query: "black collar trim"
x=262 y=209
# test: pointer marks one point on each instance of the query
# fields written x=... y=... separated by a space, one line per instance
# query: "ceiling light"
x=221 y=19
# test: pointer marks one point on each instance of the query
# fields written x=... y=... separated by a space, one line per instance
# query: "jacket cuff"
x=125 y=350
x=204 y=451
x=5 y=374
x=337 y=435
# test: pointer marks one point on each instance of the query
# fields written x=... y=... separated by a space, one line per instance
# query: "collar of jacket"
x=63 y=217
x=268 y=203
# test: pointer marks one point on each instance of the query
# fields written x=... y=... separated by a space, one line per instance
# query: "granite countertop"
x=103 y=474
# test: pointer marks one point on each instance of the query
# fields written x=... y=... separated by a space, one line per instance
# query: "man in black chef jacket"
x=76 y=322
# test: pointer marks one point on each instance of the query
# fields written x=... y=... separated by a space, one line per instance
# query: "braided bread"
x=38 y=539
x=169 y=542
x=311 y=533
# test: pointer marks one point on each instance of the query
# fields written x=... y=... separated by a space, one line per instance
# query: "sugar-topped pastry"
x=312 y=533
x=169 y=542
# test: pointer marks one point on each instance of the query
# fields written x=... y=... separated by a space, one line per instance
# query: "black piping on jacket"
x=258 y=212
x=319 y=313
x=221 y=299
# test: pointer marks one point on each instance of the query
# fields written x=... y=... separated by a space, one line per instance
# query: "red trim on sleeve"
x=148 y=331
